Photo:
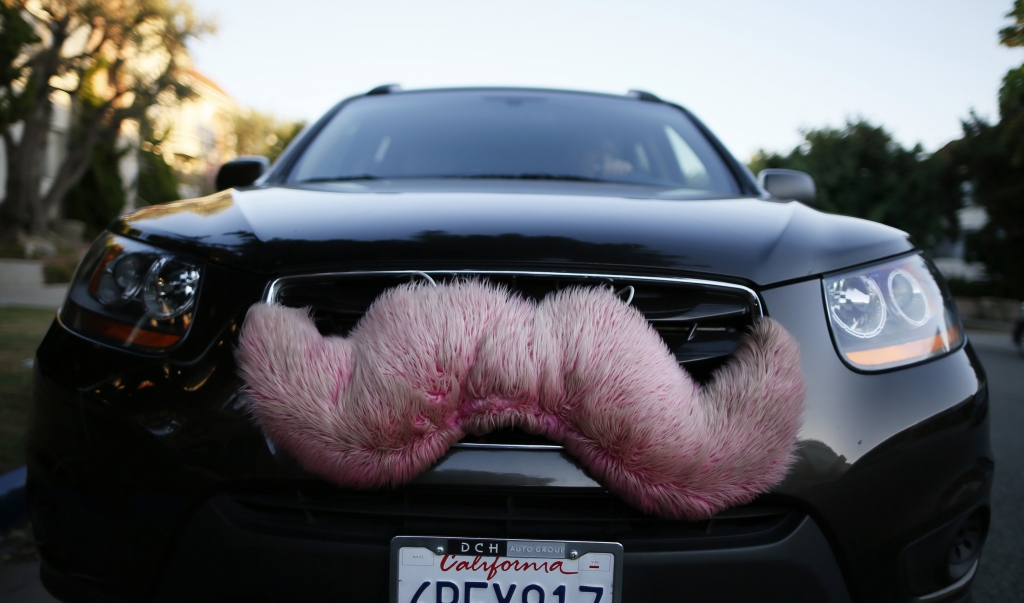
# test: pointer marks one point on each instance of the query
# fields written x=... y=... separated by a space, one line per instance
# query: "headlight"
x=132 y=295
x=170 y=287
x=891 y=314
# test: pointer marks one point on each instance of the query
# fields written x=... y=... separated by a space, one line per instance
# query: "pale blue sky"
x=755 y=72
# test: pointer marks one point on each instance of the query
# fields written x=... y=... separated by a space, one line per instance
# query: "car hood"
x=284 y=229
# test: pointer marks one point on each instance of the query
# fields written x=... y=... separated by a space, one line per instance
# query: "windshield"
x=514 y=135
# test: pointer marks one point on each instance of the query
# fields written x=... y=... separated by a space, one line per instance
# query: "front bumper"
x=221 y=558
x=136 y=466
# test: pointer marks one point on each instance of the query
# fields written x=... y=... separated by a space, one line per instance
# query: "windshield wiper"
x=537 y=176
x=342 y=179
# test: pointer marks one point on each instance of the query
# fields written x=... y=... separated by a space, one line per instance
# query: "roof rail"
x=644 y=96
x=384 y=89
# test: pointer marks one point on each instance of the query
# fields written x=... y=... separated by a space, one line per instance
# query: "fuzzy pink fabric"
x=427 y=365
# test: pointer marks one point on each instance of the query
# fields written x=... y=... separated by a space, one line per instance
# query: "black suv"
x=150 y=480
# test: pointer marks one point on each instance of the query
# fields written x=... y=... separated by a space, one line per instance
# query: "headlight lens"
x=891 y=314
x=170 y=288
x=857 y=306
x=132 y=295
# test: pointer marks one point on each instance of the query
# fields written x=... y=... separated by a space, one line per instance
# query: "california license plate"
x=464 y=570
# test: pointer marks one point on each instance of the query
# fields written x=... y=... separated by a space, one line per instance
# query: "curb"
x=13 y=504
x=47 y=296
x=21 y=274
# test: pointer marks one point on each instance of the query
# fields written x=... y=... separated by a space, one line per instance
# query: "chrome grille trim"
x=270 y=295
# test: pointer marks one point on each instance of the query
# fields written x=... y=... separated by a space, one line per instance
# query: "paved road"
x=19 y=583
x=1001 y=576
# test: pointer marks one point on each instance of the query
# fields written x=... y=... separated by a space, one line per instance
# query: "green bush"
x=157 y=181
x=99 y=196
x=59 y=270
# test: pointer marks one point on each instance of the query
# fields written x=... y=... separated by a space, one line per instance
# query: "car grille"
x=375 y=517
x=700 y=321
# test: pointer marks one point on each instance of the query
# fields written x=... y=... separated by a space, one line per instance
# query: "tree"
x=861 y=171
x=15 y=34
x=114 y=58
x=992 y=155
x=1013 y=35
x=262 y=134
x=157 y=181
x=99 y=196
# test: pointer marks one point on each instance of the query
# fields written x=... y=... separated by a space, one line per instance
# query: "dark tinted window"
x=514 y=134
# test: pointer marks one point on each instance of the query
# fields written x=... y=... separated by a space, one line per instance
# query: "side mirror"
x=242 y=171
x=789 y=184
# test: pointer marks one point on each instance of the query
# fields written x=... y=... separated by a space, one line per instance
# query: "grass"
x=21 y=330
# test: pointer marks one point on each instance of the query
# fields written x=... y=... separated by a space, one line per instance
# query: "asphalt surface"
x=1000 y=577
x=19 y=583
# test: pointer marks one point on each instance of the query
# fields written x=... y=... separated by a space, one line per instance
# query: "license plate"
x=467 y=570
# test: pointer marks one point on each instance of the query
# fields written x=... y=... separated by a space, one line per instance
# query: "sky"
x=756 y=73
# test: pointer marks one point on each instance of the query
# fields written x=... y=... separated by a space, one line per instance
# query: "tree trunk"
x=25 y=160
x=74 y=165
x=22 y=210
x=13 y=215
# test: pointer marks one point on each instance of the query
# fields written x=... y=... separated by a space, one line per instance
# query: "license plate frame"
x=581 y=548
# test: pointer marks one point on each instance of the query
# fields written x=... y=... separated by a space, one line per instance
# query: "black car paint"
x=291 y=229
x=126 y=451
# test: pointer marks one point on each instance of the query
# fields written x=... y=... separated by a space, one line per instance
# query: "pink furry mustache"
x=427 y=365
